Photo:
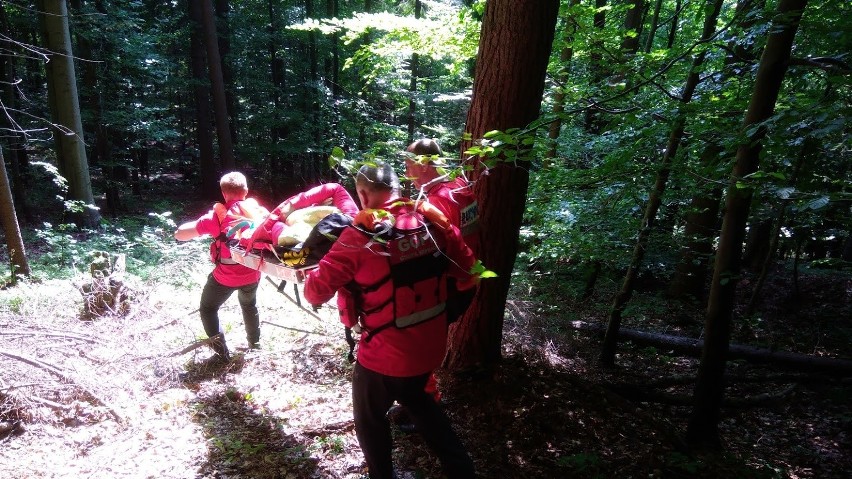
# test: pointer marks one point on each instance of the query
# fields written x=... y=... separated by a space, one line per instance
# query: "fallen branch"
x=340 y=426
x=642 y=394
x=62 y=375
x=194 y=346
x=35 y=332
x=693 y=347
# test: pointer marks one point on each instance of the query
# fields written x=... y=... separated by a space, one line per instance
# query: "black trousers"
x=214 y=295
x=372 y=396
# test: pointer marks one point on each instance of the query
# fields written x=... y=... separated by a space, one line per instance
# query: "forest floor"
x=117 y=397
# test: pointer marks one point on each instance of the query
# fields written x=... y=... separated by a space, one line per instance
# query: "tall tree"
x=65 y=107
x=217 y=87
x=510 y=68
x=655 y=199
x=709 y=388
x=565 y=55
x=11 y=229
x=702 y=217
x=201 y=93
x=223 y=30
x=412 y=85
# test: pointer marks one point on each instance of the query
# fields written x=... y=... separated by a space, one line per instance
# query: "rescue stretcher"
x=289 y=266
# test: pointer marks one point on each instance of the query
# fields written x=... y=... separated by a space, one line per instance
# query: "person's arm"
x=460 y=255
x=336 y=269
x=187 y=231
x=328 y=193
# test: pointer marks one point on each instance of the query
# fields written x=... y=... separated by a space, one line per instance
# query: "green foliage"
x=65 y=249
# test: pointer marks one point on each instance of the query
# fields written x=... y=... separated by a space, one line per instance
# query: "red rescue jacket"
x=363 y=260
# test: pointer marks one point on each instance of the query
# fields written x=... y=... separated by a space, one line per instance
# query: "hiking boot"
x=220 y=347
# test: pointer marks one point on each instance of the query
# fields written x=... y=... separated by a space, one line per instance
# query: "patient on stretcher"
x=302 y=228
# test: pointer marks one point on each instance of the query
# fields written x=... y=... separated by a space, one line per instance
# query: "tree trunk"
x=17 y=254
x=592 y=121
x=277 y=71
x=709 y=388
x=201 y=92
x=633 y=23
x=675 y=22
x=223 y=12
x=607 y=355
x=412 y=85
x=565 y=56
x=693 y=348
x=16 y=139
x=702 y=218
x=62 y=88
x=649 y=43
x=217 y=87
x=507 y=91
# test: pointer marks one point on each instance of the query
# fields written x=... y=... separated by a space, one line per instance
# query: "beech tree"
x=509 y=82
x=65 y=109
x=709 y=389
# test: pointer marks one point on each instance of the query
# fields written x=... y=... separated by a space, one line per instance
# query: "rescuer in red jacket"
x=400 y=284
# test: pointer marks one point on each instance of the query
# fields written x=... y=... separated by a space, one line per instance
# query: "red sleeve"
x=461 y=257
x=208 y=224
x=338 y=195
x=336 y=269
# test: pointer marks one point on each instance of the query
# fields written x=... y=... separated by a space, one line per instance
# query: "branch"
x=62 y=375
x=829 y=64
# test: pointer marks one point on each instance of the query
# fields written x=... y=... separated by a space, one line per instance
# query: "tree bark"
x=68 y=126
x=507 y=92
x=217 y=87
x=17 y=253
x=709 y=388
x=607 y=355
x=201 y=93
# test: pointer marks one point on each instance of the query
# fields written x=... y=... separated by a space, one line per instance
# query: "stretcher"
x=287 y=265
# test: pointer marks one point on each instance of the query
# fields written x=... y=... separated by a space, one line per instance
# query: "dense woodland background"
x=656 y=158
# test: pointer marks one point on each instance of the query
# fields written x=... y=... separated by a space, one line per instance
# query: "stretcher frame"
x=273 y=268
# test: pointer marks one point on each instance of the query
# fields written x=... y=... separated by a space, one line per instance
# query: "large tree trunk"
x=607 y=355
x=217 y=87
x=201 y=92
x=510 y=69
x=17 y=254
x=62 y=89
x=709 y=388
